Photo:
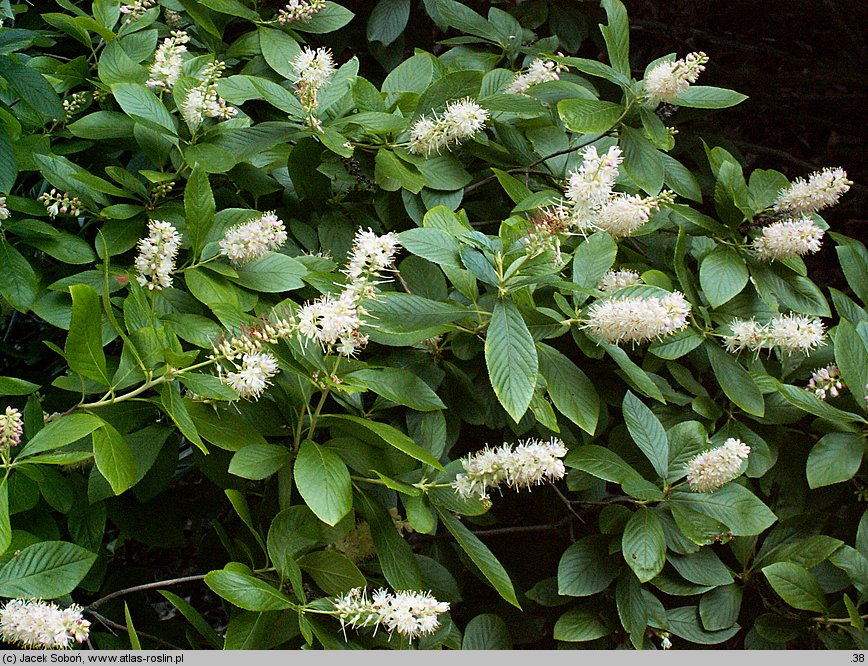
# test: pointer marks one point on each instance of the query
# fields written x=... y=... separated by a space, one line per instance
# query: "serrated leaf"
x=796 y=585
x=722 y=275
x=578 y=625
x=647 y=432
x=570 y=389
x=586 y=567
x=511 y=358
x=83 y=349
x=45 y=570
x=323 y=482
x=835 y=458
x=114 y=458
x=259 y=461
x=735 y=381
x=644 y=545
x=246 y=592
x=589 y=116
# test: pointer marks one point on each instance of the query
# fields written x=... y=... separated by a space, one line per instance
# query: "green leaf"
x=636 y=376
x=271 y=274
x=176 y=407
x=642 y=161
x=702 y=568
x=733 y=505
x=601 y=462
x=514 y=188
x=464 y=19
x=199 y=208
x=586 y=567
x=434 y=245
x=332 y=17
x=392 y=174
x=399 y=564
x=114 y=458
x=259 y=461
x=293 y=531
x=685 y=623
x=405 y=313
x=195 y=618
x=223 y=428
x=45 y=570
x=400 y=386
x=388 y=20
x=735 y=381
x=19 y=284
x=708 y=97
x=481 y=557
x=486 y=632
x=33 y=89
x=246 y=592
x=511 y=358
x=589 y=116
x=15 y=386
x=324 y=482
x=647 y=432
x=83 y=349
x=632 y=609
x=796 y=585
x=851 y=357
x=569 y=388
x=578 y=625
x=677 y=345
x=333 y=572
x=719 y=608
x=644 y=545
x=592 y=260
x=142 y=105
x=680 y=179
x=135 y=643
x=102 y=125
x=808 y=402
x=392 y=436
x=835 y=458
x=617 y=36
x=231 y=7
x=62 y=432
x=722 y=274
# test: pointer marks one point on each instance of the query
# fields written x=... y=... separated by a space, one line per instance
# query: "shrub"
x=473 y=353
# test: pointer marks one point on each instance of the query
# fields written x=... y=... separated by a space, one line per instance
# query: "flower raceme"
x=615 y=280
x=296 y=11
x=462 y=119
x=717 y=467
x=525 y=465
x=826 y=381
x=539 y=71
x=410 y=614
x=790 y=238
x=667 y=80
x=4 y=211
x=790 y=332
x=42 y=625
x=254 y=239
x=313 y=70
x=203 y=101
x=11 y=428
x=821 y=190
x=166 y=69
x=156 y=259
x=637 y=319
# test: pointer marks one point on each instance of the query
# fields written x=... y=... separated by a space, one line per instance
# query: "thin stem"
x=142 y=588
x=837 y=620
x=122 y=627
x=313 y=419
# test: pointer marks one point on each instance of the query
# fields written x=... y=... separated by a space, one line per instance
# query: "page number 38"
x=858 y=658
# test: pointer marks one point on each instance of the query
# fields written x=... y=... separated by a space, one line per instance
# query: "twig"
x=566 y=502
x=503 y=531
x=143 y=588
x=121 y=627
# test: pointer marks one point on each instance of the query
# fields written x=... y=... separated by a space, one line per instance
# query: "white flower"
x=203 y=100
x=590 y=187
x=528 y=464
x=637 y=319
x=56 y=203
x=615 y=280
x=313 y=70
x=136 y=9
x=790 y=238
x=821 y=190
x=42 y=625
x=791 y=332
x=461 y=120
x=371 y=254
x=254 y=239
x=712 y=469
x=667 y=79
x=156 y=259
x=539 y=71
x=168 y=63
x=411 y=614
x=625 y=213
x=826 y=380
x=299 y=10
x=4 y=211
x=11 y=428
x=254 y=376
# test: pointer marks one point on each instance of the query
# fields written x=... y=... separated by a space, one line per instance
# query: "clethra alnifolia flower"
x=789 y=332
x=615 y=280
x=11 y=428
x=156 y=259
x=410 y=614
x=254 y=239
x=667 y=80
x=461 y=120
x=790 y=238
x=821 y=190
x=539 y=71
x=296 y=11
x=637 y=319
x=826 y=381
x=42 y=625
x=166 y=69
x=717 y=467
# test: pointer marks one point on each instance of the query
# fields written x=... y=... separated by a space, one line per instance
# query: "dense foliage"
x=459 y=344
